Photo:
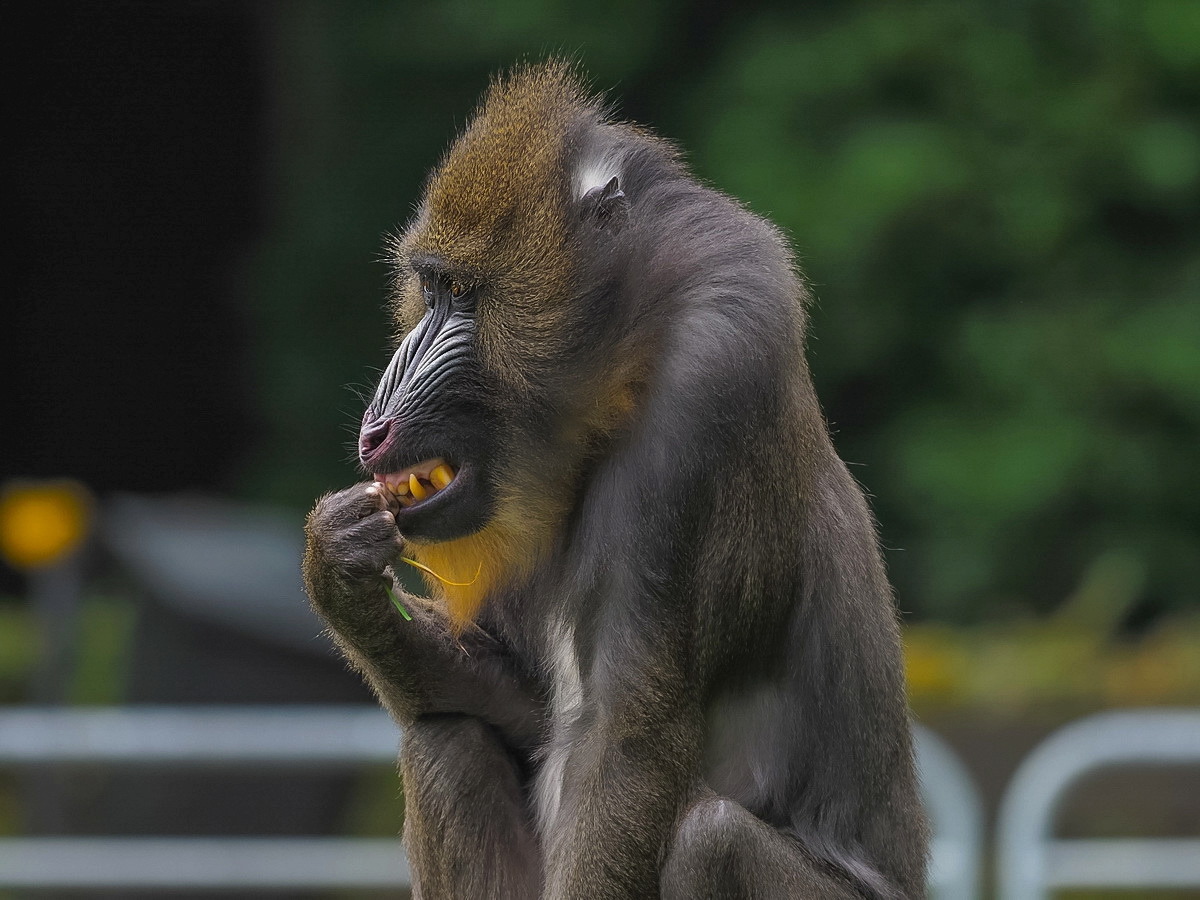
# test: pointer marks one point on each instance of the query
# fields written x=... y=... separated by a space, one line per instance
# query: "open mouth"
x=418 y=483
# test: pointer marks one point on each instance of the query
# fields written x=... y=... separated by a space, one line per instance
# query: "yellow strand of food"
x=492 y=553
x=429 y=571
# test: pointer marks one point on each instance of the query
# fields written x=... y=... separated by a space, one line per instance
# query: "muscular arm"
x=416 y=667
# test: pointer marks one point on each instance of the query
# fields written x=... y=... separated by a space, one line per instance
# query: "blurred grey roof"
x=232 y=564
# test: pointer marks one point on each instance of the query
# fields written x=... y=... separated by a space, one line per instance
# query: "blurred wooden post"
x=43 y=525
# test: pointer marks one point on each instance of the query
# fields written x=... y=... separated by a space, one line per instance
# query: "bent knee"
x=459 y=748
x=438 y=732
x=707 y=851
x=712 y=825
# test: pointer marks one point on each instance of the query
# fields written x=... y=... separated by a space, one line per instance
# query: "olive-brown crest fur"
x=494 y=207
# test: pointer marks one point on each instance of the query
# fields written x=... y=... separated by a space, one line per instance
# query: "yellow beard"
x=469 y=569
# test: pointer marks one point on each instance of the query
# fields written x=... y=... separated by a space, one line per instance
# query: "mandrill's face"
x=468 y=419
x=509 y=379
x=426 y=434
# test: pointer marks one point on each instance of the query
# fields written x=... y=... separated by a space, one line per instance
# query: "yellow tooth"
x=441 y=476
x=400 y=489
x=418 y=489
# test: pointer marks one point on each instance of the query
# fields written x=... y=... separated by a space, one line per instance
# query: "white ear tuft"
x=597 y=171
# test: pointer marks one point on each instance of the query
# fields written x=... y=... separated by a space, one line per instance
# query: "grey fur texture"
x=693 y=687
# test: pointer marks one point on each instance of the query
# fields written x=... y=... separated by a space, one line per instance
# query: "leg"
x=722 y=851
x=465 y=826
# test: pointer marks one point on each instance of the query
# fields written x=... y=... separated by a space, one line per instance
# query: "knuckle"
x=352 y=531
x=381 y=525
x=344 y=508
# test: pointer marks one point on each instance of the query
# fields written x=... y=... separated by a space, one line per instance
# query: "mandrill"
x=660 y=655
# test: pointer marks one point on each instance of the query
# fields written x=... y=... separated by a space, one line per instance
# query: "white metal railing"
x=956 y=814
x=306 y=737
x=303 y=737
x=1032 y=862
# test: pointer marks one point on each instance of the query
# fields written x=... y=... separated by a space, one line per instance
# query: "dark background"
x=997 y=206
x=138 y=146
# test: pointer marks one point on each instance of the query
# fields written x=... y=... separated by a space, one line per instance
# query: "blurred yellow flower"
x=42 y=522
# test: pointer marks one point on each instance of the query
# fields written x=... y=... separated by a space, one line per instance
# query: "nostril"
x=372 y=435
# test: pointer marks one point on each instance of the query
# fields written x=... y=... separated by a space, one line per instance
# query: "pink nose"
x=372 y=435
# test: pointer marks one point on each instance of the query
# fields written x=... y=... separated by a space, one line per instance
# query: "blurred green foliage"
x=998 y=206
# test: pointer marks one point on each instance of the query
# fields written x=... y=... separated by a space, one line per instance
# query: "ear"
x=606 y=207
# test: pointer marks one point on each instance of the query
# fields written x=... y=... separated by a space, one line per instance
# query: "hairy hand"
x=353 y=532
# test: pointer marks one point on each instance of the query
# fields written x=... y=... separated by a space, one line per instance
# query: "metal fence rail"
x=1032 y=862
x=302 y=737
x=956 y=814
x=306 y=737
x=246 y=863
